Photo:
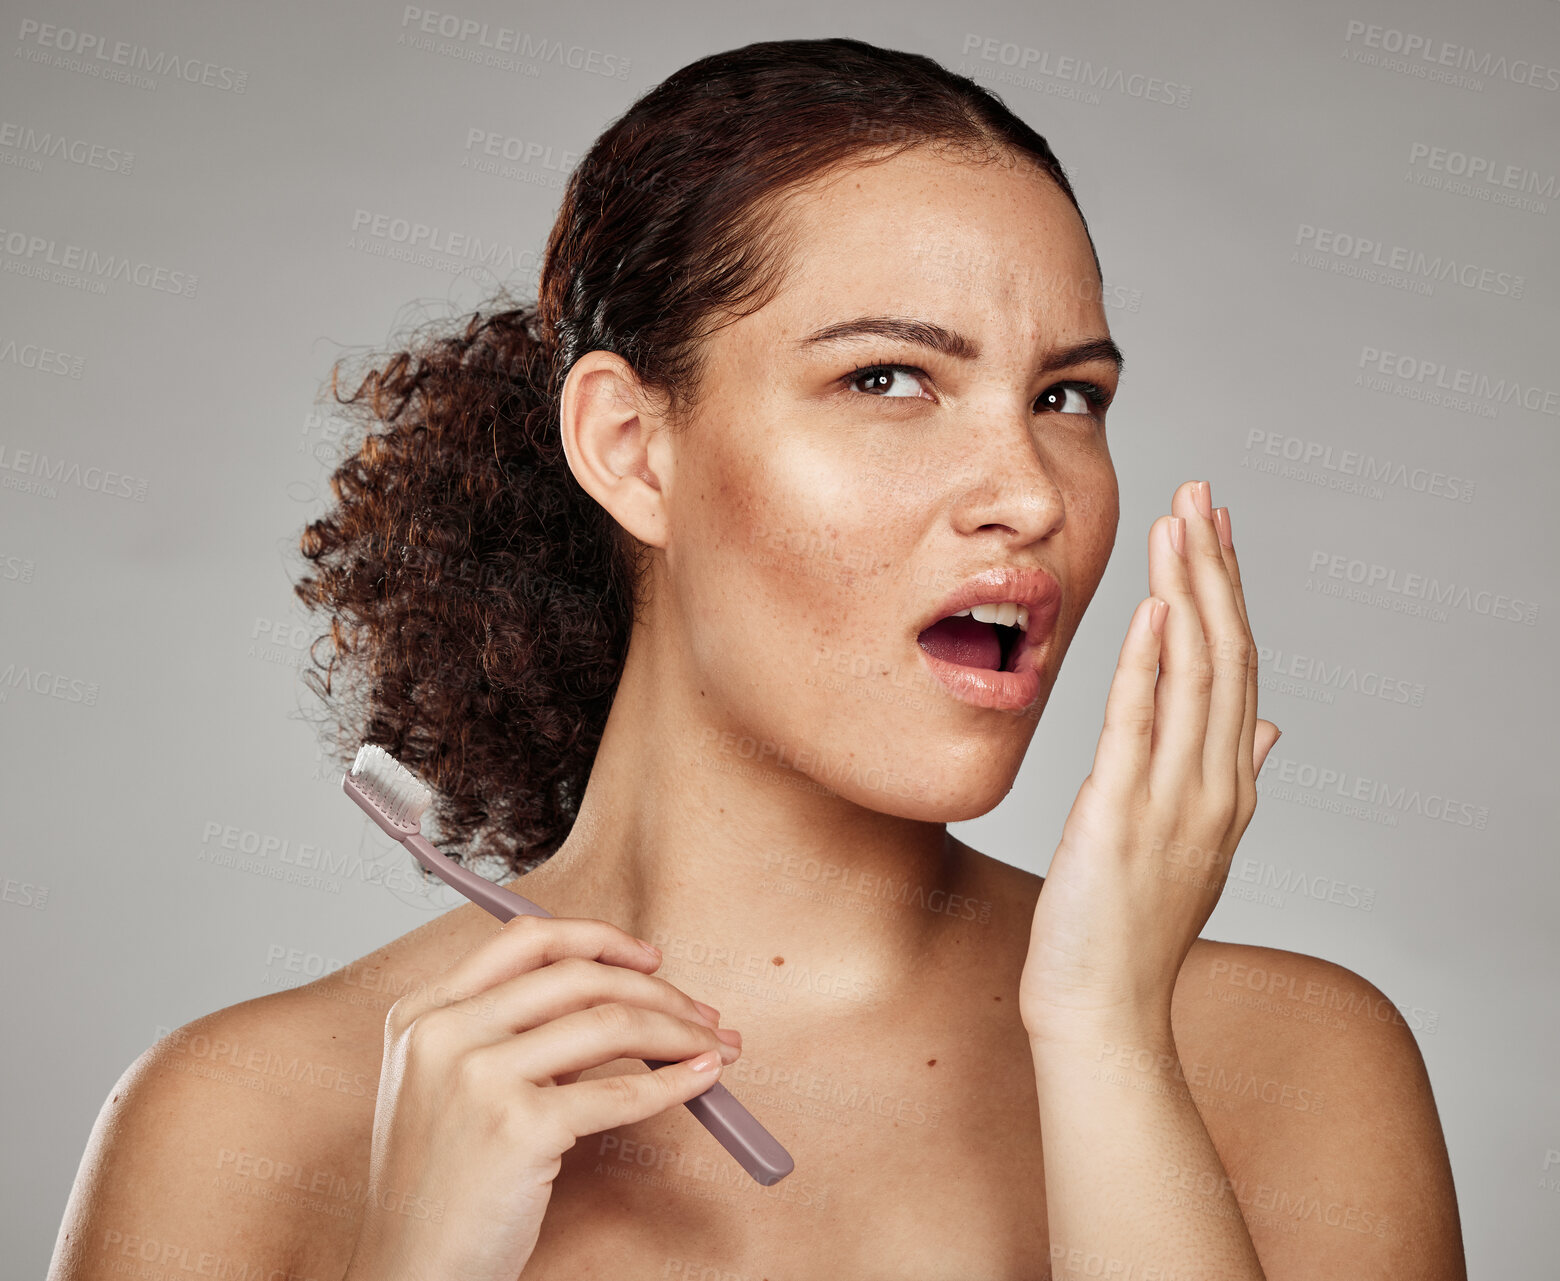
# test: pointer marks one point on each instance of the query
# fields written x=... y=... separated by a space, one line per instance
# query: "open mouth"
x=967 y=641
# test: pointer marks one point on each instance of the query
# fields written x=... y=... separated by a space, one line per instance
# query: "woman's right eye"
x=880 y=378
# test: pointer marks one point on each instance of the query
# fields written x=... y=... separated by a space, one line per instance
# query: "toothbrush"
x=395 y=799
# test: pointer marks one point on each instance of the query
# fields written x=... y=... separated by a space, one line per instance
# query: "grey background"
x=150 y=647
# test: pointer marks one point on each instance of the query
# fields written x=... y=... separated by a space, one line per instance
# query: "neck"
x=692 y=836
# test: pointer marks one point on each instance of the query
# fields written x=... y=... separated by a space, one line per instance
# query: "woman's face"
x=819 y=520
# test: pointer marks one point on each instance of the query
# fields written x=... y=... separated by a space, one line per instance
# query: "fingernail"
x=709 y=1012
x=1202 y=495
x=706 y=1062
x=729 y=1035
x=1178 y=535
x=649 y=947
x=1221 y=522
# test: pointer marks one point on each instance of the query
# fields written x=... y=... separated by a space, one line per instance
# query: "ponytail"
x=479 y=610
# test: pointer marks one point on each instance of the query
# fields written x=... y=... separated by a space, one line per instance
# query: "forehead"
x=927 y=229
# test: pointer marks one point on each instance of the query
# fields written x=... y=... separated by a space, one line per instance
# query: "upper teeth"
x=1007 y=614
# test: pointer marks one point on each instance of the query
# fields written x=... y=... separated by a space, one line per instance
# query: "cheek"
x=742 y=538
x=786 y=560
x=1093 y=504
x=1093 y=514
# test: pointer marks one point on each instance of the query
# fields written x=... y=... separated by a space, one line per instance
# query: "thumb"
x=1266 y=735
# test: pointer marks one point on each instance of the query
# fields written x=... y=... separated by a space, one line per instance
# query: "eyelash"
x=1092 y=392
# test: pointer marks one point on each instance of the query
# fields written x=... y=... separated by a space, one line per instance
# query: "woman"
x=706 y=594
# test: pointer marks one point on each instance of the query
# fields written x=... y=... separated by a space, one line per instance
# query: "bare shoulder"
x=1316 y=1096
x=238 y=1144
x=211 y=1149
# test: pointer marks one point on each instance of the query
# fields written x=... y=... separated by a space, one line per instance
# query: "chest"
x=921 y=1174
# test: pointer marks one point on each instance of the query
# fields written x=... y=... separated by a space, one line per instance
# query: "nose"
x=1007 y=488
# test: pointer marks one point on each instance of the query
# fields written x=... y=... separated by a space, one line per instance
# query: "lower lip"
x=983 y=687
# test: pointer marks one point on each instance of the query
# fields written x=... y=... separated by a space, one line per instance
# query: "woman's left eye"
x=1089 y=398
x=881 y=377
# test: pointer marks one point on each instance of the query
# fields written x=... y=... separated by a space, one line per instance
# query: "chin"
x=948 y=788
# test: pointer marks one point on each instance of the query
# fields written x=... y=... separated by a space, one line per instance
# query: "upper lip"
x=1034 y=589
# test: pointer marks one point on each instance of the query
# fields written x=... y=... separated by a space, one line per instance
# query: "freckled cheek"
x=813 y=571
x=785 y=512
x=1093 y=511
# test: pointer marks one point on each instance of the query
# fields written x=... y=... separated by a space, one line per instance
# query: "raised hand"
x=1146 y=848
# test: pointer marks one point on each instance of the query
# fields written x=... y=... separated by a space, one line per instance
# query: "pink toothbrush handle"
x=734 y=1127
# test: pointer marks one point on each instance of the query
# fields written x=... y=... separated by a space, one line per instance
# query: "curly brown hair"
x=479 y=601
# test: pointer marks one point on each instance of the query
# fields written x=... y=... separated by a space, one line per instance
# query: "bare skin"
x=915 y=1132
x=803 y=528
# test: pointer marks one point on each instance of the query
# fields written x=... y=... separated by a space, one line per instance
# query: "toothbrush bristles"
x=399 y=792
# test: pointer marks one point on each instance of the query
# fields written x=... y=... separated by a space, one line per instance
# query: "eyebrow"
x=923 y=333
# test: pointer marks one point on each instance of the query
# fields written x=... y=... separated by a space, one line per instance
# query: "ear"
x=613 y=442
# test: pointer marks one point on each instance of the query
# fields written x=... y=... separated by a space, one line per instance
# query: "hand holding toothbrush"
x=480 y=1096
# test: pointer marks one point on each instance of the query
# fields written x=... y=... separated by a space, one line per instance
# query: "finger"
x=1122 y=755
x=598 y=1035
x=1226 y=638
x=577 y=983
x=1221 y=523
x=1248 y=750
x=1181 y=696
x=605 y=1102
x=1267 y=740
x=527 y=943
